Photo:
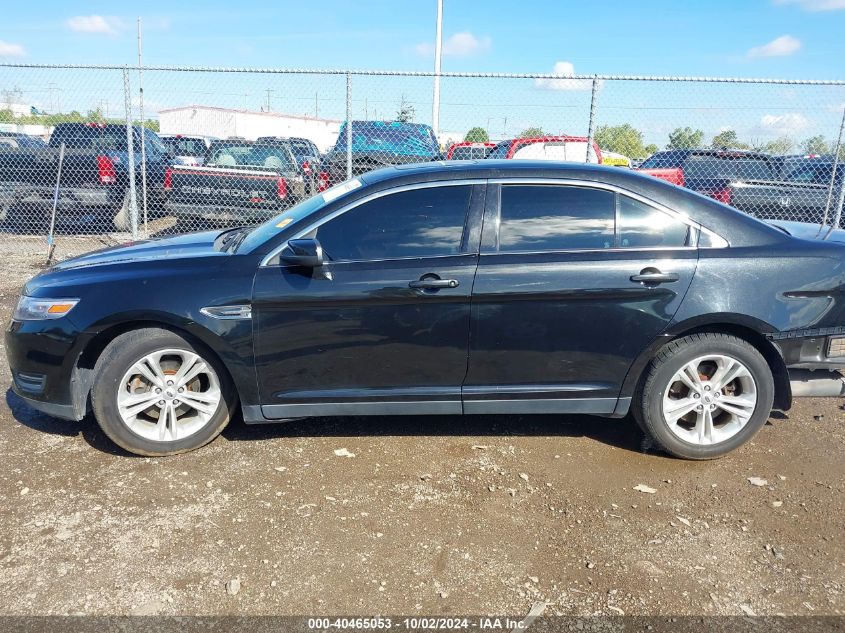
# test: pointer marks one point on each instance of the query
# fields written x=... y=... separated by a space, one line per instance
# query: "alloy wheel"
x=709 y=400
x=168 y=395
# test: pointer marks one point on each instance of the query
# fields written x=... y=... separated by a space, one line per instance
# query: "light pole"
x=438 y=45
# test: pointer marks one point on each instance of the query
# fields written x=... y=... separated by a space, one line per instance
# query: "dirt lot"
x=428 y=515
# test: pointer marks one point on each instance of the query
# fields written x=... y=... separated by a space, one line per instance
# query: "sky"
x=741 y=38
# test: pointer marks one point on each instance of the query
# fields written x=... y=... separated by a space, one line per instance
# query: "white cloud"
x=778 y=47
x=783 y=124
x=94 y=24
x=7 y=49
x=816 y=5
x=460 y=44
x=563 y=69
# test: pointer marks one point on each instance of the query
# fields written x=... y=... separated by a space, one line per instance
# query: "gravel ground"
x=417 y=516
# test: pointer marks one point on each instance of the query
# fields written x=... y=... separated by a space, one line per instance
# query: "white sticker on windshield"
x=339 y=190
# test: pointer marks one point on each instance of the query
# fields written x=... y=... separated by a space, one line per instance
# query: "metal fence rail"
x=199 y=147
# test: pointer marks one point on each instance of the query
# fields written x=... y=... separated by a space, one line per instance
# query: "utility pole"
x=438 y=46
x=268 y=99
x=316 y=105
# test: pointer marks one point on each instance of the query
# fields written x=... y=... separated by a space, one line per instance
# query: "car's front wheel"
x=156 y=392
x=704 y=395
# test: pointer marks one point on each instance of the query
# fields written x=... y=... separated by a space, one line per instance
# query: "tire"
x=670 y=389
x=119 y=389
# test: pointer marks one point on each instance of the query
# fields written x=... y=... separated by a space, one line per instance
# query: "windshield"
x=185 y=146
x=241 y=154
x=395 y=137
x=275 y=225
x=501 y=150
x=468 y=152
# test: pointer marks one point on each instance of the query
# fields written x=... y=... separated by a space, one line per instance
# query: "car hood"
x=807 y=231
x=180 y=246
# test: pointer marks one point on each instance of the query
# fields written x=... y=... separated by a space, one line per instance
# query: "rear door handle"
x=434 y=283
x=652 y=276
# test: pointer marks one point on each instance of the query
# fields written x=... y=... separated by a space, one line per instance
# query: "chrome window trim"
x=570 y=182
x=265 y=262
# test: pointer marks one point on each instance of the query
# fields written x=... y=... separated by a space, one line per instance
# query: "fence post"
x=348 y=126
x=143 y=134
x=130 y=150
x=591 y=125
x=838 y=214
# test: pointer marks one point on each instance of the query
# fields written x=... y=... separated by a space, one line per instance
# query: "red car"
x=565 y=148
x=467 y=150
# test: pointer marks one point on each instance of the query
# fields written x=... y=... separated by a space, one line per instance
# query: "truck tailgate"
x=221 y=187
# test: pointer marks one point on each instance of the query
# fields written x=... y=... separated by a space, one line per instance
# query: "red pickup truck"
x=565 y=148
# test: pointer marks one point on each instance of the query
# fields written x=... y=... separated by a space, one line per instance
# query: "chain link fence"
x=94 y=155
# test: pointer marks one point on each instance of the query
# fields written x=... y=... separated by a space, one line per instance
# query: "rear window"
x=186 y=146
x=743 y=168
x=110 y=137
x=248 y=155
x=666 y=160
x=812 y=173
x=467 y=152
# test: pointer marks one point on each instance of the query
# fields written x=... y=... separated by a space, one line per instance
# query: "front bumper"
x=42 y=358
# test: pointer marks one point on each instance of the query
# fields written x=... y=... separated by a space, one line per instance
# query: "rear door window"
x=640 y=225
x=554 y=218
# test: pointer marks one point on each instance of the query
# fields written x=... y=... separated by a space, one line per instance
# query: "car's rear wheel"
x=704 y=395
x=156 y=392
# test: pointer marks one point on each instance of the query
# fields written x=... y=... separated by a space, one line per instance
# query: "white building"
x=223 y=123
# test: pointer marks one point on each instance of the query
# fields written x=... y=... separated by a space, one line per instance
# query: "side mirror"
x=305 y=253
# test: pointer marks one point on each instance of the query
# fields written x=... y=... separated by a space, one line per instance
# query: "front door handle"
x=652 y=277
x=431 y=283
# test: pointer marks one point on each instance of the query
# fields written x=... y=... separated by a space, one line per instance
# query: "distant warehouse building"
x=223 y=123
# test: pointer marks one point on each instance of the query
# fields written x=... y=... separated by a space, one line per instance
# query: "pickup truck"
x=95 y=174
x=239 y=182
x=376 y=144
x=749 y=181
x=561 y=147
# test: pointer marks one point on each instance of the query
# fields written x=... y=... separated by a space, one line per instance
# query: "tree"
x=727 y=139
x=406 y=112
x=815 y=145
x=623 y=139
x=782 y=145
x=685 y=138
x=651 y=148
x=531 y=132
x=477 y=135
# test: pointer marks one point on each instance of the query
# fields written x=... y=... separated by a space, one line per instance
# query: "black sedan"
x=484 y=287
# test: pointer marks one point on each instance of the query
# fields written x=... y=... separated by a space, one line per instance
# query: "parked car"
x=187 y=150
x=507 y=287
x=467 y=150
x=19 y=140
x=307 y=159
x=95 y=173
x=561 y=148
x=379 y=143
x=752 y=182
x=239 y=182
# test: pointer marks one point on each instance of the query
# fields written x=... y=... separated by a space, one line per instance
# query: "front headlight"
x=32 y=309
